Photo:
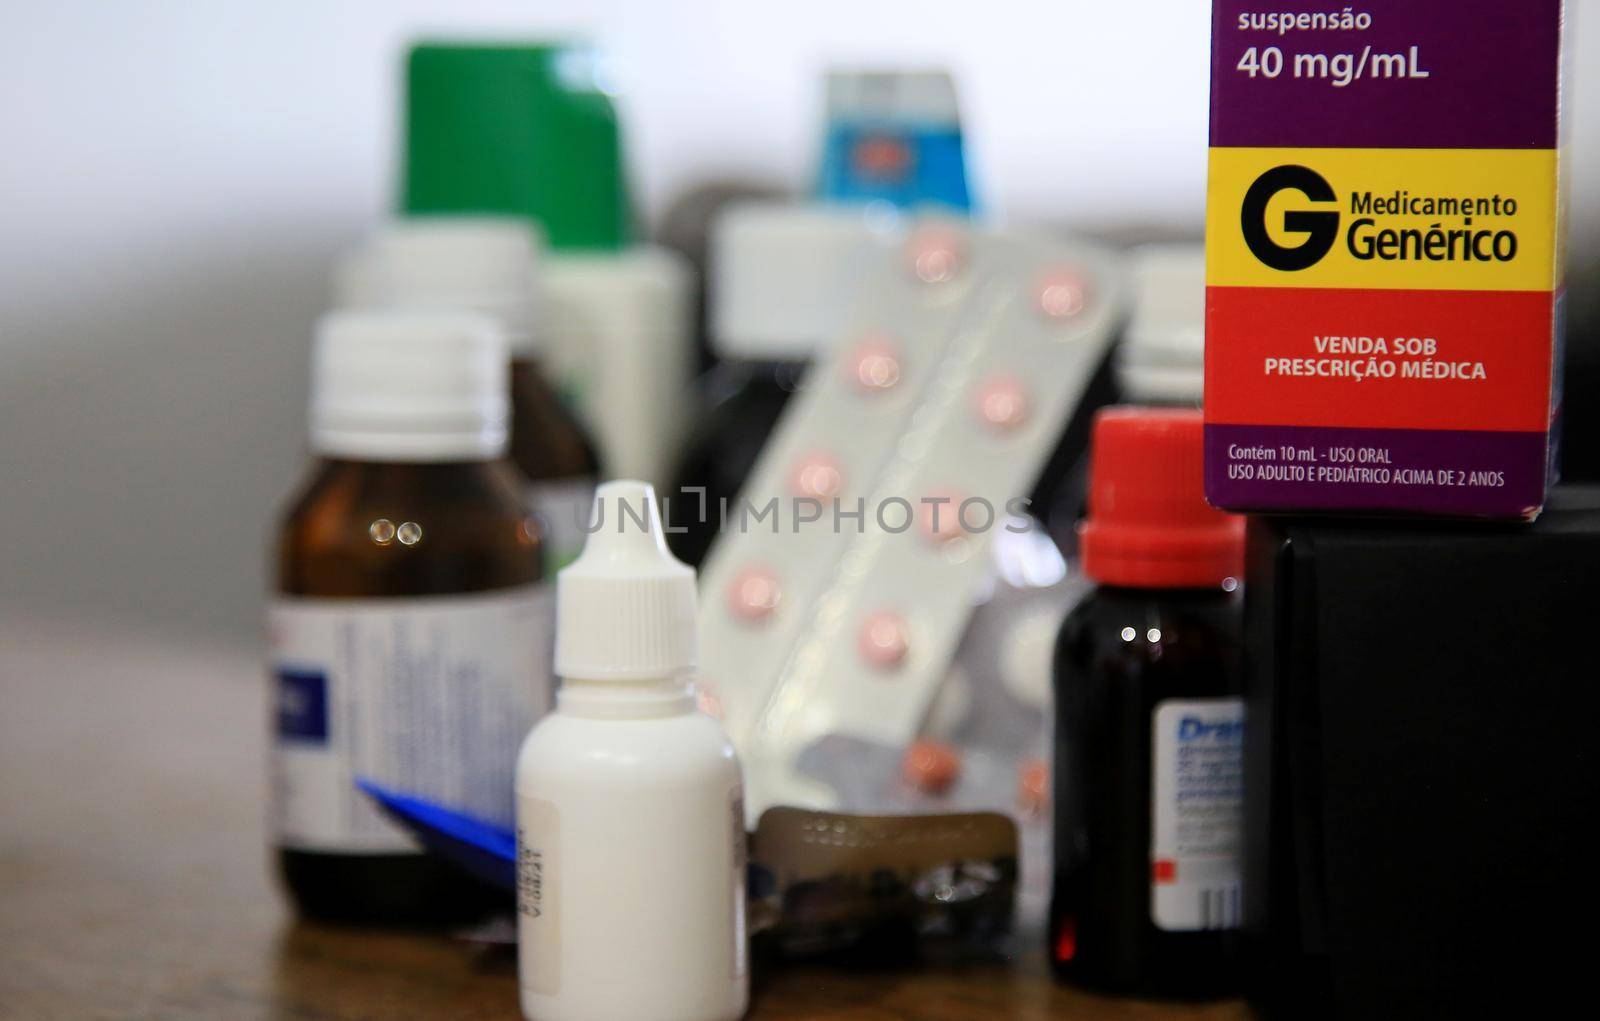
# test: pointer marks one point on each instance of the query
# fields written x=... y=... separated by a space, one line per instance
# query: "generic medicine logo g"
x=1320 y=227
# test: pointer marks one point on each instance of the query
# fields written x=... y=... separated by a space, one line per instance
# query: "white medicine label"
x=427 y=697
x=1197 y=813
x=539 y=895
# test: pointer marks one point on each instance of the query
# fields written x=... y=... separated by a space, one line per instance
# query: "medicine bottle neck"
x=421 y=472
x=626 y=700
x=442 y=464
x=1178 y=594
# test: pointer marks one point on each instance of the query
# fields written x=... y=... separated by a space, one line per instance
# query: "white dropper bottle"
x=630 y=822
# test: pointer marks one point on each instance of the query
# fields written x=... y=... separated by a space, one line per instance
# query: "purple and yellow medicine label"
x=1384 y=253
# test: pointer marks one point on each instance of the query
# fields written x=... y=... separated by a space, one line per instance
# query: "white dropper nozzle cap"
x=481 y=264
x=409 y=387
x=625 y=609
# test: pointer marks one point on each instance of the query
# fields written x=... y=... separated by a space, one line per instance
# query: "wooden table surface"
x=134 y=880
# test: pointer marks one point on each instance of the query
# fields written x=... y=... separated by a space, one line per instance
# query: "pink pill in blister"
x=1062 y=292
x=939 y=516
x=874 y=364
x=1033 y=786
x=935 y=253
x=883 y=641
x=707 y=701
x=754 y=594
x=931 y=766
x=1001 y=402
x=817 y=475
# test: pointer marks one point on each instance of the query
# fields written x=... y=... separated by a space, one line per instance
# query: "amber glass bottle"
x=1150 y=723
x=556 y=457
x=491 y=265
x=408 y=635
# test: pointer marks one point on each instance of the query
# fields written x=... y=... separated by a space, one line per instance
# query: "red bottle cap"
x=1149 y=525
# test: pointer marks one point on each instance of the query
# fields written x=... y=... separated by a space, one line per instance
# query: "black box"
x=1421 y=763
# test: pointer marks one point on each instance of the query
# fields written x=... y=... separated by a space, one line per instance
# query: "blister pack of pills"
x=848 y=570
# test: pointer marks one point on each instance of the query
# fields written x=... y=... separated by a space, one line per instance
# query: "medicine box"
x=1384 y=255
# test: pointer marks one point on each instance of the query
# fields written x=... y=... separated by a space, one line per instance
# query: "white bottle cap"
x=409 y=386
x=477 y=263
x=625 y=609
x=919 y=97
x=1162 y=356
x=783 y=276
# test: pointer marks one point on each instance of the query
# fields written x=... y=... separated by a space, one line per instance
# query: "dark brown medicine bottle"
x=409 y=635
x=491 y=265
x=556 y=457
x=1150 y=724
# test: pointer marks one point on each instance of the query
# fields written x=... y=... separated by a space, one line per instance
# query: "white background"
x=175 y=179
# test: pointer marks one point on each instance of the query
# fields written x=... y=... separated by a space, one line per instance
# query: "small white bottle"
x=630 y=817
